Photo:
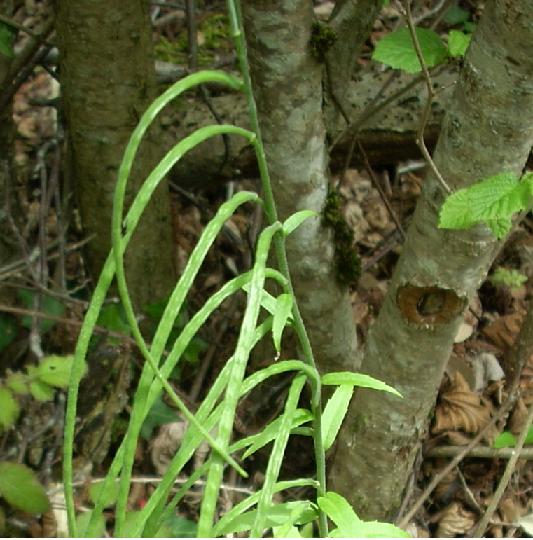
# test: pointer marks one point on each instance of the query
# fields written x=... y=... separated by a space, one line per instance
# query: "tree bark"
x=288 y=89
x=487 y=130
x=107 y=81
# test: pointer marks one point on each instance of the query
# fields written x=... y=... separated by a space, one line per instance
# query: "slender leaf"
x=109 y=495
x=83 y=521
x=357 y=379
x=334 y=414
x=282 y=313
x=294 y=221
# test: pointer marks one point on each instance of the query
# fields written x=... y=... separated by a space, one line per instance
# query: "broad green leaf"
x=83 y=521
x=277 y=516
x=8 y=330
x=55 y=370
x=41 y=391
x=507 y=440
x=9 y=408
x=357 y=379
x=49 y=305
x=282 y=313
x=286 y=531
x=397 y=50
x=20 y=487
x=294 y=221
x=458 y=42
x=109 y=497
x=334 y=414
x=113 y=318
x=18 y=383
x=7 y=38
x=349 y=525
x=270 y=432
x=160 y=413
x=493 y=201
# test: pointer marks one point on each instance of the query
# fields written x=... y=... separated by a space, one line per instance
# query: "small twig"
x=468 y=491
x=431 y=94
x=192 y=34
x=506 y=477
x=483 y=452
x=382 y=194
x=18 y=26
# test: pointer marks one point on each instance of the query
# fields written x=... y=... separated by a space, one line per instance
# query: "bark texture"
x=487 y=130
x=288 y=89
x=107 y=81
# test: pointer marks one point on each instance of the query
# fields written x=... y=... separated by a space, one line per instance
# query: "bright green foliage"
x=9 y=408
x=458 y=42
x=84 y=519
x=348 y=523
x=334 y=413
x=7 y=38
x=507 y=440
x=18 y=383
x=508 y=277
x=109 y=495
x=20 y=487
x=8 y=330
x=160 y=413
x=357 y=379
x=41 y=391
x=177 y=527
x=492 y=201
x=397 y=50
x=281 y=316
x=55 y=370
x=294 y=221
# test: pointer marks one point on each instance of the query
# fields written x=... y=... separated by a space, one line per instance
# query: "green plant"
x=257 y=512
x=508 y=277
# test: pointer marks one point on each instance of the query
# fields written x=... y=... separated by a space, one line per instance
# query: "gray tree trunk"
x=107 y=81
x=488 y=129
x=288 y=89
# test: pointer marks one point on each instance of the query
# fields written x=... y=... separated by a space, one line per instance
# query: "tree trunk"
x=107 y=81
x=288 y=89
x=487 y=130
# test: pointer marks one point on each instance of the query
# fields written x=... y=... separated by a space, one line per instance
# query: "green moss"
x=322 y=39
x=347 y=261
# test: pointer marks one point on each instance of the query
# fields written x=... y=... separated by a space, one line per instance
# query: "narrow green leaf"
x=55 y=370
x=357 y=379
x=282 y=313
x=294 y=221
x=458 y=42
x=270 y=432
x=20 y=487
x=397 y=50
x=334 y=414
x=9 y=408
x=83 y=521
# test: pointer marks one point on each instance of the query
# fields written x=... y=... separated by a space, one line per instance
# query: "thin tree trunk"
x=288 y=89
x=107 y=81
x=488 y=129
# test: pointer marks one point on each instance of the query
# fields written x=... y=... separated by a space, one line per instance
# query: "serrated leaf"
x=282 y=313
x=334 y=413
x=508 y=277
x=41 y=391
x=294 y=221
x=83 y=521
x=349 y=525
x=397 y=50
x=20 y=487
x=8 y=330
x=493 y=201
x=18 y=383
x=55 y=370
x=7 y=38
x=458 y=42
x=9 y=408
x=357 y=379
x=110 y=496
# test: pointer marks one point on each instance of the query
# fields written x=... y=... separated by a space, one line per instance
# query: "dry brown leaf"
x=460 y=408
x=503 y=331
x=455 y=520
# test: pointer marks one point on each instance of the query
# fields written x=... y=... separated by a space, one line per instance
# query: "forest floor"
x=472 y=390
